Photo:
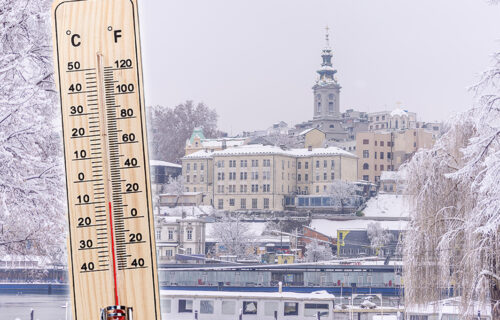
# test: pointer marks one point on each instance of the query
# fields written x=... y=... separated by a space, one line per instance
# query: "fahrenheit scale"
x=112 y=252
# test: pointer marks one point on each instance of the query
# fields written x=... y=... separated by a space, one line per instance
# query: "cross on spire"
x=327 y=36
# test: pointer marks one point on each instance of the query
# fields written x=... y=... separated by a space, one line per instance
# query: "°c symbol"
x=68 y=32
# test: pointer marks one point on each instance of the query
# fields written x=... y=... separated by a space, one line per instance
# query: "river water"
x=46 y=307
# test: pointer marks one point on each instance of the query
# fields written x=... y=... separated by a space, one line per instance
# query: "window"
x=255 y=176
x=190 y=234
x=317 y=189
x=243 y=175
x=299 y=165
x=158 y=234
x=243 y=163
x=291 y=309
x=187 y=178
x=266 y=188
x=189 y=251
x=318 y=110
x=366 y=154
x=166 y=305
x=332 y=176
x=232 y=175
x=266 y=203
x=375 y=154
x=306 y=177
x=299 y=177
x=389 y=155
x=366 y=178
x=366 y=141
x=266 y=175
x=207 y=306
x=330 y=107
x=231 y=202
x=381 y=167
x=317 y=177
x=381 y=143
x=333 y=164
x=202 y=178
x=243 y=203
x=383 y=117
x=185 y=305
x=243 y=188
x=228 y=307
x=375 y=167
x=232 y=163
x=188 y=167
x=169 y=253
x=249 y=307
x=170 y=234
x=266 y=163
x=220 y=164
x=270 y=307
x=254 y=203
x=255 y=188
x=221 y=204
x=317 y=163
x=195 y=166
x=381 y=155
x=306 y=165
x=202 y=166
x=312 y=309
x=325 y=176
x=255 y=163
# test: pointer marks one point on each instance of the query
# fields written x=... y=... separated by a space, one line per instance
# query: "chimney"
x=309 y=148
x=224 y=145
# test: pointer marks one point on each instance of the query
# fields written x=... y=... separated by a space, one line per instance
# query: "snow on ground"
x=387 y=205
x=330 y=227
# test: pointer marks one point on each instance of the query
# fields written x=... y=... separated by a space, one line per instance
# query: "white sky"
x=255 y=61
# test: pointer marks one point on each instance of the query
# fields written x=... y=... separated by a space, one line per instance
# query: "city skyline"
x=262 y=58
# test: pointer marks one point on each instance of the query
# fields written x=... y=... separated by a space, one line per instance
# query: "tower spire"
x=326 y=73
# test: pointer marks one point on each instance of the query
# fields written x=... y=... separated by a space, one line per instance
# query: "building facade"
x=259 y=177
x=198 y=142
x=176 y=236
x=397 y=119
x=386 y=151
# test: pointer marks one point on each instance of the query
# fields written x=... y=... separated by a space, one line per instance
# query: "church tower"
x=326 y=90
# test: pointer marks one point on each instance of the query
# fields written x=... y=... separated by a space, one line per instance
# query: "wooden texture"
x=99 y=76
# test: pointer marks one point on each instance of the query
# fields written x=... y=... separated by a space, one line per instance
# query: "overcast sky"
x=255 y=61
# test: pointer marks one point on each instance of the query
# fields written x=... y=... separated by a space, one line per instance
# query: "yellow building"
x=386 y=151
x=259 y=177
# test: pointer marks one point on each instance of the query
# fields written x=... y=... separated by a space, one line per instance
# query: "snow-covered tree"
x=341 y=192
x=175 y=186
x=453 y=239
x=171 y=127
x=234 y=236
x=316 y=251
x=379 y=236
x=32 y=199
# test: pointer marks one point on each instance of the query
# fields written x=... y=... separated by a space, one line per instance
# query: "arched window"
x=319 y=107
x=365 y=166
x=330 y=96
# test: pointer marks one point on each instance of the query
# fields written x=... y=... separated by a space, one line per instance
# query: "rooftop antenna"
x=327 y=36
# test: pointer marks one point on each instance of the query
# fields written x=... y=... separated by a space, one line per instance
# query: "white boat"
x=224 y=305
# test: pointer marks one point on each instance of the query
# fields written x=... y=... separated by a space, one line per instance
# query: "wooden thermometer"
x=112 y=255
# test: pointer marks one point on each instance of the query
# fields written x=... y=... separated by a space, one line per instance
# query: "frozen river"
x=46 y=307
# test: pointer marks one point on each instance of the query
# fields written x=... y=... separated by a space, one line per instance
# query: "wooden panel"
x=98 y=62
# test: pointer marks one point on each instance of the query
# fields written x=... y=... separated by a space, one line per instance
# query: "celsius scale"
x=112 y=255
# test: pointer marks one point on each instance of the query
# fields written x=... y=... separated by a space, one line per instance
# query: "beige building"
x=386 y=151
x=313 y=138
x=397 y=119
x=258 y=177
x=176 y=235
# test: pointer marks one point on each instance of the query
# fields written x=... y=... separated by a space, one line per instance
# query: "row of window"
x=381 y=143
x=195 y=167
x=244 y=188
x=170 y=234
x=244 y=163
x=318 y=163
x=243 y=203
x=325 y=176
x=229 y=307
x=366 y=154
x=195 y=178
x=366 y=166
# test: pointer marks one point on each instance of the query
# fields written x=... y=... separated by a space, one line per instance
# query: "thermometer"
x=112 y=255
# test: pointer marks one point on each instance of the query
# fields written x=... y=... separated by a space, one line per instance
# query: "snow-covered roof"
x=188 y=210
x=217 y=143
x=164 y=163
x=201 y=154
x=250 y=149
x=308 y=130
x=388 y=205
x=399 y=112
x=328 y=151
x=330 y=227
x=254 y=228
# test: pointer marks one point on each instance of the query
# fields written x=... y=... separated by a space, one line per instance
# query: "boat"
x=225 y=305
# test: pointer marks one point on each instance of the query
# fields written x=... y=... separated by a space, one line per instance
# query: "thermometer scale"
x=112 y=255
